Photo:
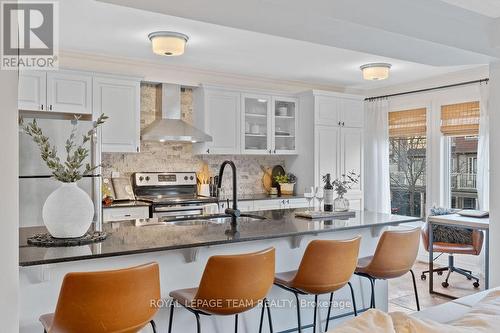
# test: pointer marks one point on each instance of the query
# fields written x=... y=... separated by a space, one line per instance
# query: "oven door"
x=177 y=211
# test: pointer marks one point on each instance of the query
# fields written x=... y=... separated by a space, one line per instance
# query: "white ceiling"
x=101 y=28
x=490 y=8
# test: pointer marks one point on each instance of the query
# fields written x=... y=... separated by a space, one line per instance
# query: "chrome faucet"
x=234 y=212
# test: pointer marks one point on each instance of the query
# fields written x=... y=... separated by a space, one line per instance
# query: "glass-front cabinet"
x=257 y=122
x=284 y=125
x=269 y=124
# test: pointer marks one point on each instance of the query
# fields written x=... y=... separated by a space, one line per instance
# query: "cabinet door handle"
x=41 y=107
x=288 y=201
x=275 y=151
x=50 y=107
x=343 y=124
x=340 y=123
x=270 y=151
x=208 y=151
x=137 y=148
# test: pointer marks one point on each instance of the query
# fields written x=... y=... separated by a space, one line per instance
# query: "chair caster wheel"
x=476 y=284
x=445 y=284
x=423 y=277
x=439 y=273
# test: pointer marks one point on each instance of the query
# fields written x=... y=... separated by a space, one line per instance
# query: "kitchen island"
x=182 y=249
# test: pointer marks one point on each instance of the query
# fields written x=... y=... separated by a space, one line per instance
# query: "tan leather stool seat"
x=106 y=301
x=285 y=278
x=230 y=285
x=184 y=296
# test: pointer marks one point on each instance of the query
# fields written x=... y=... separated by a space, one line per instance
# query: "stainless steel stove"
x=171 y=194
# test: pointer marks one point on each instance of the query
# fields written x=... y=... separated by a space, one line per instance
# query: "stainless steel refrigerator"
x=35 y=180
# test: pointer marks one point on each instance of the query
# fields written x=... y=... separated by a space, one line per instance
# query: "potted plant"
x=341 y=185
x=286 y=183
x=68 y=211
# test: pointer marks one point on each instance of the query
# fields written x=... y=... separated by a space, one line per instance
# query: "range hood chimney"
x=171 y=128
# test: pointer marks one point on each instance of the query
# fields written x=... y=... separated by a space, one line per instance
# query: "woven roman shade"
x=460 y=119
x=408 y=123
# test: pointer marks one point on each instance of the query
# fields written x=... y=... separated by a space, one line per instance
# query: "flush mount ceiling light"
x=375 y=71
x=168 y=43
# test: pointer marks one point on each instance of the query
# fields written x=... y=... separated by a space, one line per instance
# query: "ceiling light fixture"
x=168 y=43
x=376 y=71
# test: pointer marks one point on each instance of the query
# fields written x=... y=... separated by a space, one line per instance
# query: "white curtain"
x=483 y=150
x=376 y=170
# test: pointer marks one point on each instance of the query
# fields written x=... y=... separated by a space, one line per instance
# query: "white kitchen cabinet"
x=119 y=99
x=217 y=112
x=331 y=132
x=256 y=134
x=110 y=214
x=69 y=92
x=268 y=204
x=284 y=125
x=32 y=92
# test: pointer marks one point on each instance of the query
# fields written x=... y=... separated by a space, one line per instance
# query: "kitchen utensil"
x=204 y=190
x=107 y=189
x=255 y=129
x=123 y=188
x=267 y=181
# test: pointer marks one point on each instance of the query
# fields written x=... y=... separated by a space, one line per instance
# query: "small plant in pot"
x=286 y=182
x=68 y=211
x=341 y=185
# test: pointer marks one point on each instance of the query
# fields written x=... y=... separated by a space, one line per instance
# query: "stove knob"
x=147 y=178
x=191 y=178
x=185 y=177
x=141 y=178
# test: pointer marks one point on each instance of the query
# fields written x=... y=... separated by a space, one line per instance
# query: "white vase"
x=68 y=212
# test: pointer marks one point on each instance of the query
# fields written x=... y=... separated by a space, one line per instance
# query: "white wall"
x=494 y=108
x=9 y=240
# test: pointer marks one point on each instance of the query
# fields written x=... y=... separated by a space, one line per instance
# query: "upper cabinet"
x=338 y=110
x=256 y=124
x=32 y=94
x=58 y=91
x=243 y=122
x=119 y=99
x=285 y=125
x=218 y=114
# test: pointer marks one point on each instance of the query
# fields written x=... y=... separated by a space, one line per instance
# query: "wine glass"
x=319 y=194
x=309 y=195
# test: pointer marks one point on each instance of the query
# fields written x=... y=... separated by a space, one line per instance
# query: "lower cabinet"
x=110 y=214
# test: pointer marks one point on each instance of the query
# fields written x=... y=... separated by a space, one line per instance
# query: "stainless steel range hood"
x=171 y=128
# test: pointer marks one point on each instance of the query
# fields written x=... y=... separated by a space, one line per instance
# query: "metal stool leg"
x=266 y=303
x=372 y=303
x=236 y=323
x=262 y=316
x=153 y=326
x=353 y=300
x=198 y=325
x=172 y=305
x=329 y=312
x=299 y=327
x=315 y=312
x=415 y=289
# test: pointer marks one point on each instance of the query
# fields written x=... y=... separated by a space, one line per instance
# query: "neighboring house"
x=464 y=172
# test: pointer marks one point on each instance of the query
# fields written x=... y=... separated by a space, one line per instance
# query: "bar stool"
x=394 y=257
x=106 y=301
x=230 y=285
x=327 y=265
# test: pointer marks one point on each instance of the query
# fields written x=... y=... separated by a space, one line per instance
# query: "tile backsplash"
x=157 y=156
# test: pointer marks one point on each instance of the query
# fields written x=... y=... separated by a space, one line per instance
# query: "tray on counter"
x=324 y=215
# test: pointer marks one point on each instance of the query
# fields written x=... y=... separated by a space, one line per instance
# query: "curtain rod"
x=427 y=89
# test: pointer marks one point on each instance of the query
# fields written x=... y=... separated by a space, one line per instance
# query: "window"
x=460 y=126
x=407 y=158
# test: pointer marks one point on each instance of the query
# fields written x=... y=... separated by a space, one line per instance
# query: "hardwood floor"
x=401 y=296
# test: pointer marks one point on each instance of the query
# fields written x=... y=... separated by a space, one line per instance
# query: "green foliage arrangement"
x=288 y=178
x=69 y=170
x=344 y=183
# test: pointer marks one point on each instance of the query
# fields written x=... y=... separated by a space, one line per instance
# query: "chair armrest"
x=477 y=241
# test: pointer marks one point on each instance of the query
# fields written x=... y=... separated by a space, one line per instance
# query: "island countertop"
x=142 y=236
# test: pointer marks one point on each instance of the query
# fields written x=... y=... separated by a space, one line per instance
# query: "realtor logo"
x=29 y=35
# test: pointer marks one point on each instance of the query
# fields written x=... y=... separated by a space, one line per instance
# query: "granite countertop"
x=265 y=196
x=141 y=236
x=128 y=203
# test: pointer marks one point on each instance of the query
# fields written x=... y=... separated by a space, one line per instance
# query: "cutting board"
x=267 y=180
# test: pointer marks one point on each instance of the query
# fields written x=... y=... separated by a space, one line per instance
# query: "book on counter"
x=325 y=215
